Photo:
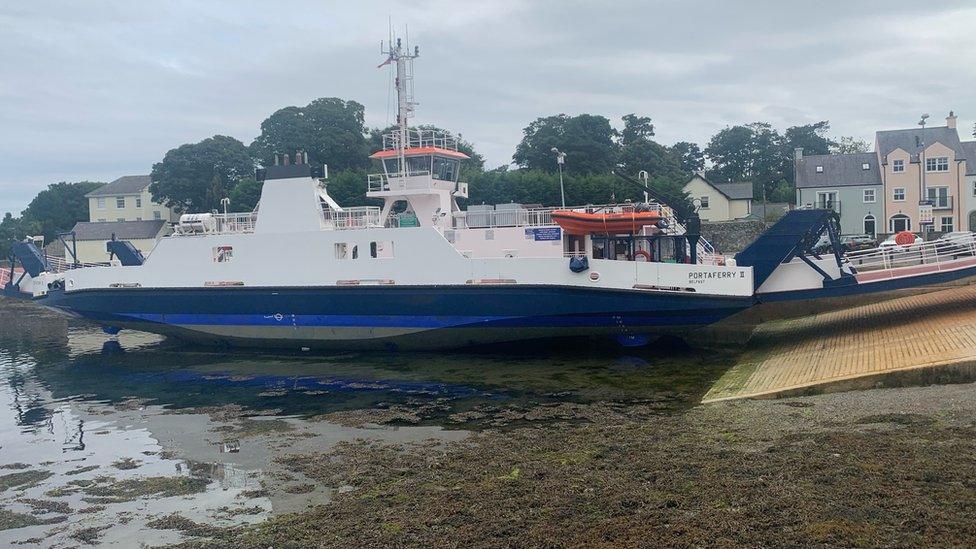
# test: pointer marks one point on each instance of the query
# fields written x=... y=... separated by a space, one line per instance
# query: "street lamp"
x=560 y=160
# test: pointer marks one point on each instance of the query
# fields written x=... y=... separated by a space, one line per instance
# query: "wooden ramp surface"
x=923 y=331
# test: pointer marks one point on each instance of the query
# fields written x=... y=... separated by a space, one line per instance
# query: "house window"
x=870 y=226
x=898 y=194
x=946 y=225
x=898 y=166
x=223 y=254
x=869 y=197
x=138 y=202
x=819 y=169
x=157 y=215
x=138 y=219
x=704 y=203
x=101 y=203
x=827 y=201
x=120 y=219
x=865 y=166
x=937 y=164
x=102 y=220
x=120 y=202
x=899 y=223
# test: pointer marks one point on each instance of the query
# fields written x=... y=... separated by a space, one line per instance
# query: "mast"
x=400 y=54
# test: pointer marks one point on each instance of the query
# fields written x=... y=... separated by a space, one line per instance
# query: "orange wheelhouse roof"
x=417 y=151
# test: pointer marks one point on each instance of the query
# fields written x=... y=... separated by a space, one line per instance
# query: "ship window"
x=341 y=250
x=223 y=254
x=381 y=250
x=445 y=169
x=418 y=165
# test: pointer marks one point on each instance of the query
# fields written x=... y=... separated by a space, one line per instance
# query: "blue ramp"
x=128 y=255
x=30 y=257
x=793 y=235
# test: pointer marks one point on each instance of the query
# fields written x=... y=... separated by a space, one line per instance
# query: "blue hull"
x=401 y=316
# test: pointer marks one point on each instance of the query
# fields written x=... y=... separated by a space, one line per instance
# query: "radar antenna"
x=398 y=52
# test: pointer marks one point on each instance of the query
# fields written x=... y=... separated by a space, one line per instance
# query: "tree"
x=753 y=152
x=57 y=209
x=812 y=137
x=849 y=145
x=332 y=131
x=10 y=232
x=245 y=195
x=636 y=128
x=194 y=177
x=689 y=155
x=587 y=140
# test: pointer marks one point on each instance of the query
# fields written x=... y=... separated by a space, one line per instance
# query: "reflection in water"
x=97 y=414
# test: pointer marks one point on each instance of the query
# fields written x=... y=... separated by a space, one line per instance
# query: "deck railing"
x=360 y=217
x=920 y=253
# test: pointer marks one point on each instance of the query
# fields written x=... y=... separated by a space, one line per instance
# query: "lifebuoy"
x=647 y=256
x=905 y=238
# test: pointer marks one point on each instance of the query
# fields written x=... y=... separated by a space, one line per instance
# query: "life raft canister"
x=905 y=238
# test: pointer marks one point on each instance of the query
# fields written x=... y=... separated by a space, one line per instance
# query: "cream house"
x=90 y=238
x=127 y=199
x=720 y=201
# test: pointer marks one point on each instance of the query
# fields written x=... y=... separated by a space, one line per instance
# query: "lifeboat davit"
x=607 y=223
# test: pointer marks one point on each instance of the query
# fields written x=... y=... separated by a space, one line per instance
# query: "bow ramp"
x=795 y=235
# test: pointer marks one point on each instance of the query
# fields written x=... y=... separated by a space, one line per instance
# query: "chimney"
x=798 y=153
x=951 y=120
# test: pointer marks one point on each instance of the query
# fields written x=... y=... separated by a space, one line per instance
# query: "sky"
x=99 y=89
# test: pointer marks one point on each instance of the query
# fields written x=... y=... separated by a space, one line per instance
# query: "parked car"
x=958 y=243
x=889 y=244
x=853 y=242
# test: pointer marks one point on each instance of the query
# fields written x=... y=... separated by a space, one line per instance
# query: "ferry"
x=302 y=271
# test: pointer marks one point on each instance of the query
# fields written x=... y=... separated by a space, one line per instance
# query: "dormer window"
x=897 y=166
x=865 y=166
x=819 y=169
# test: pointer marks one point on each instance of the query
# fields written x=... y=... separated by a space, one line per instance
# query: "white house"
x=720 y=201
x=127 y=199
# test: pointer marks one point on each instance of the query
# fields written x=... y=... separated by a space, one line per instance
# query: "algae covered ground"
x=889 y=467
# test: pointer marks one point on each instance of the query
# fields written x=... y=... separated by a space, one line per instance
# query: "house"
x=849 y=184
x=90 y=237
x=917 y=179
x=720 y=201
x=127 y=199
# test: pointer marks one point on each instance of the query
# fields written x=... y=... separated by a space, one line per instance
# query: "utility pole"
x=923 y=196
x=644 y=177
x=560 y=160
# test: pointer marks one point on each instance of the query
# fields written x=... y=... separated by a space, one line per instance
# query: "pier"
x=919 y=339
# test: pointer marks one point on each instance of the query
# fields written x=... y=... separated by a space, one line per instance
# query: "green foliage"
x=194 y=177
x=689 y=155
x=245 y=195
x=587 y=140
x=758 y=153
x=348 y=188
x=332 y=131
x=57 y=209
x=849 y=145
x=538 y=187
x=10 y=232
x=636 y=128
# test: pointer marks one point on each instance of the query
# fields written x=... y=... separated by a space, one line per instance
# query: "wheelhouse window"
x=898 y=194
x=937 y=164
x=869 y=196
x=898 y=166
x=445 y=169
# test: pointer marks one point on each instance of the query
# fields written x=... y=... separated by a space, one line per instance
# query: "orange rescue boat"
x=606 y=223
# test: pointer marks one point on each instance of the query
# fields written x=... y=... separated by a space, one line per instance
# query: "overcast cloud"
x=95 y=90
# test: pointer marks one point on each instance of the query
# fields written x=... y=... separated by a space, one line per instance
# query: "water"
x=101 y=435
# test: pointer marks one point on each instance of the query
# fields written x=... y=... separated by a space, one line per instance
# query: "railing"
x=940 y=202
x=360 y=217
x=827 y=205
x=229 y=223
x=421 y=138
x=919 y=253
x=515 y=217
x=381 y=182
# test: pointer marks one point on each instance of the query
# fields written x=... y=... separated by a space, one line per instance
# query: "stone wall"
x=730 y=237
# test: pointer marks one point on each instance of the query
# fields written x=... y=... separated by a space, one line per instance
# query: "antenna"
x=399 y=53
